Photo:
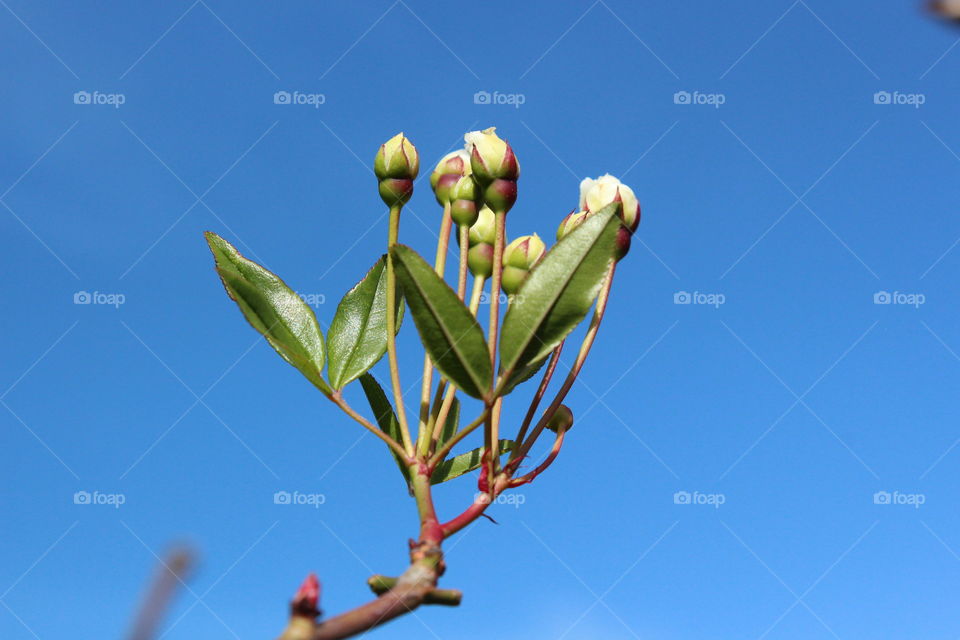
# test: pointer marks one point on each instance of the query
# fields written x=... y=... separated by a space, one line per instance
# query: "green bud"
x=480 y=260
x=524 y=252
x=484 y=230
x=463 y=198
x=397 y=159
x=500 y=194
x=451 y=168
x=395 y=191
x=562 y=419
x=490 y=157
x=571 y=222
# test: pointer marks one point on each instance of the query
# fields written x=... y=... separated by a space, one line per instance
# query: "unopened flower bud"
x=484 y=230
x=622 y=243
x=463 y=201
x=396 y=165
x=596 y=194
x=306 y=600
x=571 y=222
x=397 y=158
x=561 y=419
x=451 y=168
x=518 y=258
x=480 y=260
x=495 y=167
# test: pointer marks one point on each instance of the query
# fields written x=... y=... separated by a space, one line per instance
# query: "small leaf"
x=450 y=333
x=558 y=292
x=357 y=337
x=273 y=309
x=464 y=463
x=385 y=417
x=452 y=423
x=523 y=374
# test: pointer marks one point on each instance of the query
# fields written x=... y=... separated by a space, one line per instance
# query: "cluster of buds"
x=454 y=186
x=519 y=257
x=396 y=166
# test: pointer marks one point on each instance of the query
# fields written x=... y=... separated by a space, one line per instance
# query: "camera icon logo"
x=881 y=497
x=281 y=97
x=681 y=97
x=481 y=97
x=882 y=97
x=81 y=97
x=281 y=497
x=882 y=297
x=81 y=497
x=681 y=497
x=82 y=297
x=681 y=297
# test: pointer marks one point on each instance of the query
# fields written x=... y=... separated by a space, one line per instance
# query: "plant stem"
x=491 y=428
x=538 y=396
x=464 y=232
x=577 y=365
x=392 y=235
x=338 y=400
x=452 y=442
x=439 y=264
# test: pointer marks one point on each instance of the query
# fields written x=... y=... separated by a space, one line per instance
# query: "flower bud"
x=491 y=157
x=463 y=198
x=571 y=222
x=500 y=194
x=484 y=230
x=397 y=158
x=395 y=191
x=451 y=168
x=518 y=258
x=596 y=194
x=622 y=243
x=480 y=260
x=562 y=419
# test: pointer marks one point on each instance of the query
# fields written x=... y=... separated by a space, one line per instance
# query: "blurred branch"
x=170 y=574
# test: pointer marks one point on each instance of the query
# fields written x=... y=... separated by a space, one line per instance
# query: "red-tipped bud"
x=518 y=258
x=463 y=196
x=573 y=220
x=450 y=168
x=562 y=419
x=491 y=157
x=596 y=194
x=307 y=598
x=397 y=158
x=395 y=191
x=500 y=194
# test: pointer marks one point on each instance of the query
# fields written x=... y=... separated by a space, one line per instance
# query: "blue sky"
x=797 y=164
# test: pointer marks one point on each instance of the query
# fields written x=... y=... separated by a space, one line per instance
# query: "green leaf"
x=452 y=423
x=284 y=319
x=449 y=332
x=558 y=292
x=464 y=463
x=523 y=374
x=357 y=337
x=385 y=417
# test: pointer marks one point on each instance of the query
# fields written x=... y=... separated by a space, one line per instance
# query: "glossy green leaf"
x=449 y=332
x=558 y=292
x=273 y=309
x=385 y=416
x=464 y=463
x=452 y=423
x=357 y=337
